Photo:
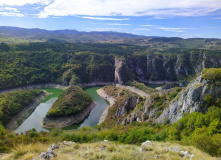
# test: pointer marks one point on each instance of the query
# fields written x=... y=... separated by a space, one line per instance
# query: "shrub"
x=208 y=99
x=158 y=104
x=213 y=74
x=172 y=95
x=158 y=114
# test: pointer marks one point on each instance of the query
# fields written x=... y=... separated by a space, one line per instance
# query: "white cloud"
x=191 y=35
x=147 y=25
x=217 y=18
x=173 y=29
x=110 y=19
x=129 y=7
x=9 y=11
x=142 y=29
x=23 y=2
x=107 y=29
x=12 y=14
x=118 y=24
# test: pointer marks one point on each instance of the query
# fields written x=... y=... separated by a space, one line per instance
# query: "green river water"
x=34 y=120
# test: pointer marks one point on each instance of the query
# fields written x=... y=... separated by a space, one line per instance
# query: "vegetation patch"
x=12 y=103
x=141 y=86
x=71 y=101
x=54 y=92
x=212 y=74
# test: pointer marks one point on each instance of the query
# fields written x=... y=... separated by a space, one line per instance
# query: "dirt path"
x=134 y=90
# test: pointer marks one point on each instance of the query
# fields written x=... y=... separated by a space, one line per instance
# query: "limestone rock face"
x=190 y=100
x=155 y=69
x=129 y=104
x=118 y=65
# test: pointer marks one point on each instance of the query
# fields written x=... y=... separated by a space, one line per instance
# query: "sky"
x=169 y=18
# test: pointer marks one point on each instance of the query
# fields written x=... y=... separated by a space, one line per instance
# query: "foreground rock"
x=107 y=150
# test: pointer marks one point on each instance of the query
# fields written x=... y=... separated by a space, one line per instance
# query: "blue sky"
x=170 y=18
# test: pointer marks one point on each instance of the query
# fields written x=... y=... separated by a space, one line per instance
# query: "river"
x=34 y=120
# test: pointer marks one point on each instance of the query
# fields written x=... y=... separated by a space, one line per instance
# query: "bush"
x=213 y=74
x=158 y=114
x=208 y=99
x=172 y=95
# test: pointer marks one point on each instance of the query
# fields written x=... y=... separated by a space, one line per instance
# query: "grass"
x=106 y=151
x=55 y=92
x=17 y=40
x=25 y=152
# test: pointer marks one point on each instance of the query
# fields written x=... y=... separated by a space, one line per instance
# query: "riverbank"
x=34 y=86
x=67 y=121
x=93 y=84
x=25 y=112
x=111 y=100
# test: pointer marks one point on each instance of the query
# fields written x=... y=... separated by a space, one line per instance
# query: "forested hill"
x=74 y=63
x=36 y=34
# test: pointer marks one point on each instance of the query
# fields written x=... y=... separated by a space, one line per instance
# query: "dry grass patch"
x=25 y=152
x=107 y=151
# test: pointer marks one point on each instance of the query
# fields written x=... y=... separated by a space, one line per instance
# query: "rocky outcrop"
x=190 y=100
x=111 y=100
x=51 y=122
x=125 y=106
x=128 y=105
x=147 y=150
x=118 y=65
x=25 y=112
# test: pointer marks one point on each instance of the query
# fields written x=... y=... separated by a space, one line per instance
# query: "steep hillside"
x=202 y=92
x=12 y=103
x=75 y=63
x=131 y=104
x=167 y=105
x=164 y=68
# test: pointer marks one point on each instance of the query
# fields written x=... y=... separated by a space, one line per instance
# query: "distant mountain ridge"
x=23 y=35
x=68 y=35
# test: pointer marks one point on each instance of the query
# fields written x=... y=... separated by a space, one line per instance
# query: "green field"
x=55 y=93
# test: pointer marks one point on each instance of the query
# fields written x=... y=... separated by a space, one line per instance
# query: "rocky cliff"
x=118 y=65
x=166 y=105
x=161 y=69
x=196 y=97
x=150 y=68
